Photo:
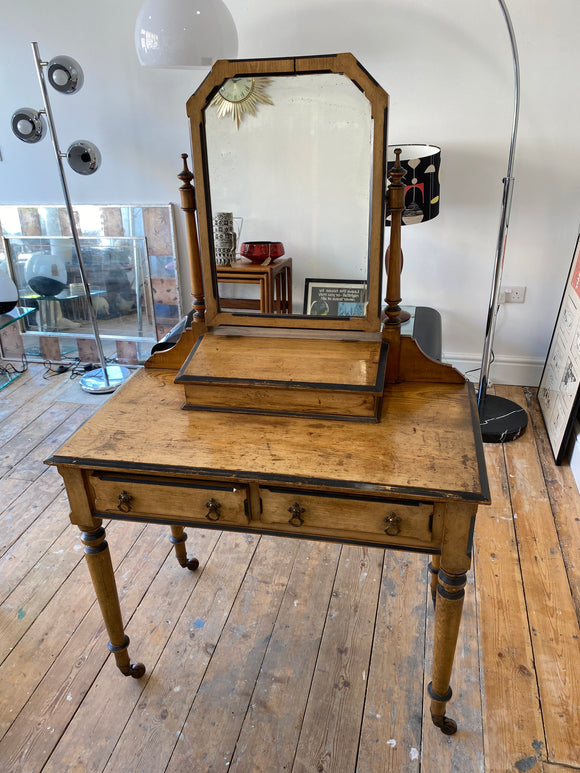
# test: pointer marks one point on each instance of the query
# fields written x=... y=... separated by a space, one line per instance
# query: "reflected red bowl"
x=259 y=252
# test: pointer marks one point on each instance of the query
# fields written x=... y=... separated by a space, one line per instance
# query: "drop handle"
x=393 y=522
x=213 y=510
x=125 y=500
x=296 y=511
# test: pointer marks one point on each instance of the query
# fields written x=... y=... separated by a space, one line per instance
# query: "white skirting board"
x=516 y=371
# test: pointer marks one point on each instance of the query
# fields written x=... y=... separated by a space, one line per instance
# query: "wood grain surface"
x=413 y=449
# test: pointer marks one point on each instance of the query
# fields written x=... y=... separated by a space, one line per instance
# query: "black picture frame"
x=559 y=390
x=335 y=297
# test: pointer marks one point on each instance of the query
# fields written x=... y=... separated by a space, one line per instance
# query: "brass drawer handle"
x=296 y=510
x=213 y=512
x=393 y=522
x=124 y=502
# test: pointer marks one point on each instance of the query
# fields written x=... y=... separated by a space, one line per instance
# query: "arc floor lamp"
x=176 y=33
x=501 y=419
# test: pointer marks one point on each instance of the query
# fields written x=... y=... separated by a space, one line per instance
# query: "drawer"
x=166 y=498
x=385 y=521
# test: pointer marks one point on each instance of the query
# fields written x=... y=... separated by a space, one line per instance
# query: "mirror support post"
x=187 y=194
x=392 y=311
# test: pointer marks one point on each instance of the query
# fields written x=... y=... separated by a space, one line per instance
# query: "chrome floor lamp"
x=66 y=76
x=501 y=420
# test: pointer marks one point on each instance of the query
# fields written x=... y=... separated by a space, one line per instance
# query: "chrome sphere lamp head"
x=83 y=157
x=65 y=74
x=28 y=125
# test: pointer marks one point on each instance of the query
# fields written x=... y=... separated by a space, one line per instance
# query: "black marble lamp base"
x=501 y=420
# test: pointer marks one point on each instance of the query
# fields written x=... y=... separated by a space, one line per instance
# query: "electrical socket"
x=512 y=294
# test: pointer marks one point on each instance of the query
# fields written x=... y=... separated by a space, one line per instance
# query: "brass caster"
x=447 y=725
x=137 y=670
x=192 y=564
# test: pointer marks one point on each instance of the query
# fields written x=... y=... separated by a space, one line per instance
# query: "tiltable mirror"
x=294 y=151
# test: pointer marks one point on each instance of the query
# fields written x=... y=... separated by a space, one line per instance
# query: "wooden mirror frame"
x=344 y=64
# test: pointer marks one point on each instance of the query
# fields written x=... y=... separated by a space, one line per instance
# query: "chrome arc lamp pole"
x=501 y=419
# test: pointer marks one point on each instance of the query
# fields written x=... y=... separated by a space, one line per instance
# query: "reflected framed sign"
x=335 y=297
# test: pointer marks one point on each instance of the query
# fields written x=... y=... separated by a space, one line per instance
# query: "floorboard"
x=282 y=655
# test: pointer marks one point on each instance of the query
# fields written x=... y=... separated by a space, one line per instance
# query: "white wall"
x=447 y=68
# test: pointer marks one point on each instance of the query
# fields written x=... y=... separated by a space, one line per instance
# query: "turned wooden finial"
x=393 y=267
x=187 y=193
x=185 y=175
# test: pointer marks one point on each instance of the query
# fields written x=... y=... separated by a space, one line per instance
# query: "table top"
x=257 y=360
x=247 y=265
x=427 y=443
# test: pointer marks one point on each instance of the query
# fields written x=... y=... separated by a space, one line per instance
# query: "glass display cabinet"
x=8 y=372
x=129 y=256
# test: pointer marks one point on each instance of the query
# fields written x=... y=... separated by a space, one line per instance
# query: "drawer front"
x=386 y=521
x=200 y=502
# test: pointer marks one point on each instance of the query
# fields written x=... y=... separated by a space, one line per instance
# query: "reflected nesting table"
x=274 y=282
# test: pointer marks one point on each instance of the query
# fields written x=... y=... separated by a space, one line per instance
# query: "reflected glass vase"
x=46 y=274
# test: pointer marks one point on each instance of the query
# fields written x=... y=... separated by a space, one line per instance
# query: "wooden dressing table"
x=409 y=475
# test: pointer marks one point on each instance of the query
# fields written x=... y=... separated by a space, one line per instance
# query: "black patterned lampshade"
x=422 y=165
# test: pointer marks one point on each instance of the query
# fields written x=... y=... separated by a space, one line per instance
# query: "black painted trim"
x=471 y=536
x=119 y=647
x=347 y=497
x=451 y=595
x=376 y=388
x=91 y=550
x=448 y=579
x=480 y=454
x=261 y=412
x=436 y=697
x=439 y=495
x=173 y=483
x=221 y=526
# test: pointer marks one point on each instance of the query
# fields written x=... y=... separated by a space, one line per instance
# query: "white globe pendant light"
x=185 y=33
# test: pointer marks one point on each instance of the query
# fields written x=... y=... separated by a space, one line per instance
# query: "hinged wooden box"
x=326 y=378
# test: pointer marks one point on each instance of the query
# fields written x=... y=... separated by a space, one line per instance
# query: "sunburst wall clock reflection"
x=239 y=96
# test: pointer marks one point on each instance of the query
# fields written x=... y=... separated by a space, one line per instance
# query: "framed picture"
x=558 y=393
x=335 y=297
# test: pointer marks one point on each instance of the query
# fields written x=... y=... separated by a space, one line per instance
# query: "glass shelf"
x=7 y=373
x=19 y=312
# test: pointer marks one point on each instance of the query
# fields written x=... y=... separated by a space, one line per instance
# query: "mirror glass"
x=297 y=174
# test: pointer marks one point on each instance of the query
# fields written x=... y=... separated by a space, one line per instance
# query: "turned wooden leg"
x=178 y=538
x=452 y=565
x=101 y=570
x=434 y=569
x=448 y=609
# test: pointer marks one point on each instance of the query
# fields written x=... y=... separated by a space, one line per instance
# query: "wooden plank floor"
x=281 y=655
